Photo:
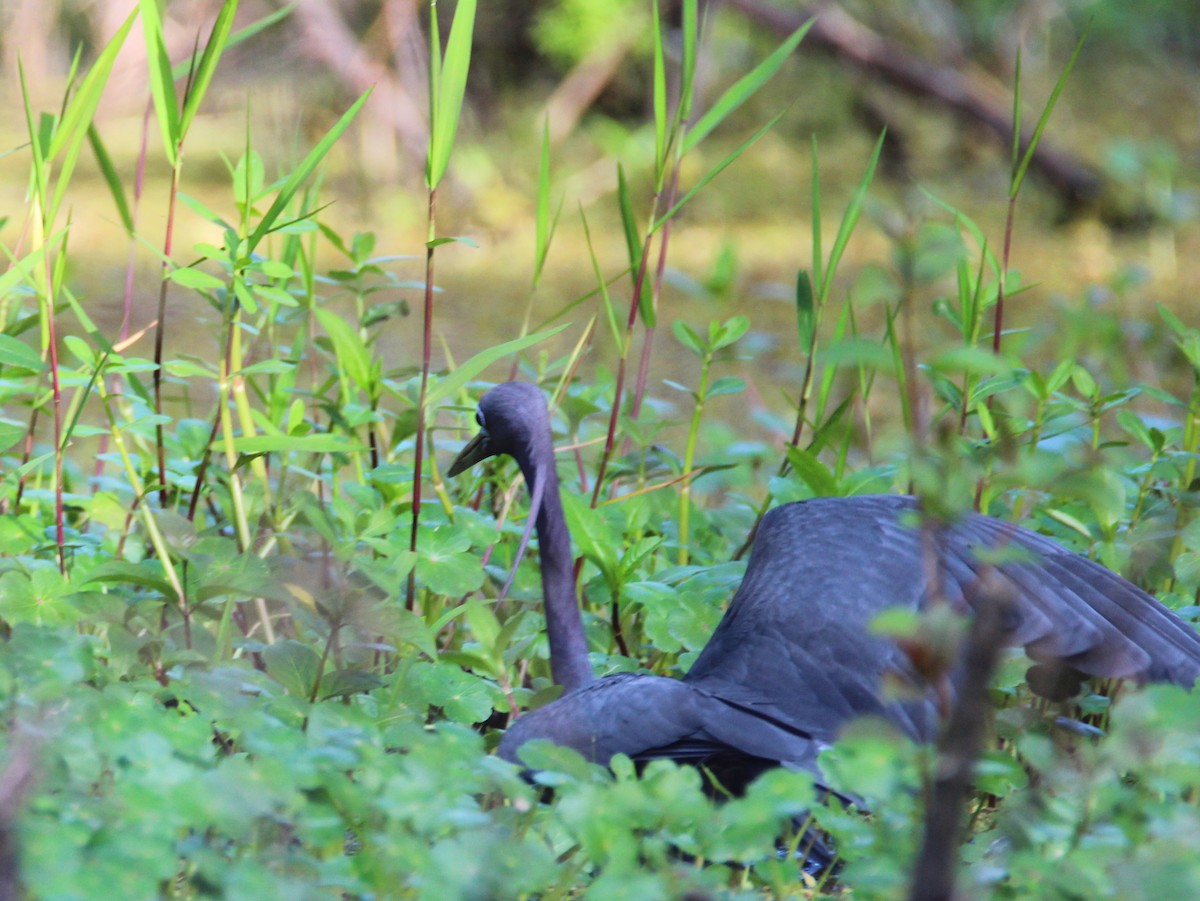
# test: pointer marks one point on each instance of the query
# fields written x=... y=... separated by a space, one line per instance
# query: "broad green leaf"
x=687 y=336
x=726 y=384
x=344 y=682
x=294 y=665
x=484 y=625
x=744 y=88
x=814 y=473
x=731 y=331
x=196 y=279
x=463 y=697
x=596 y=540
x=19 y=354
x=11 y=433
x=445 y=564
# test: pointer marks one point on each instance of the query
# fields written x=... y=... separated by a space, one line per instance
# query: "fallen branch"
x=970 y=94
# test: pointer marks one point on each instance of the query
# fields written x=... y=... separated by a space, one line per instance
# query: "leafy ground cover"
x=248 y=647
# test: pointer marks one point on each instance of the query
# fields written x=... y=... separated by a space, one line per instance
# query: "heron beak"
x=476 y=449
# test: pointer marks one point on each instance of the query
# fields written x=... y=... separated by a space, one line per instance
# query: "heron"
x=794 y=657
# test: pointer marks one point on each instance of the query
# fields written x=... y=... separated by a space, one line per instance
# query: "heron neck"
x=564 y=624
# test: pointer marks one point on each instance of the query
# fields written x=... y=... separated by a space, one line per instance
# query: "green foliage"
x=202 y=638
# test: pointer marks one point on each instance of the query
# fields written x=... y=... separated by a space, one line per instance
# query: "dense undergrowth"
x=238 y=665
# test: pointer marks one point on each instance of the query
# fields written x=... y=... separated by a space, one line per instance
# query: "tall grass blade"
x=112 y=178
x=77 y=116
x=451 y=88
x=687 y=74
x=213 y=49
x=302 y=172
x=609 y=311
x=850 y=219
x=818 y=251
x=1044 y=120
x=162 y=81
x=744 y=88
x=714 y=172
x=544 y=224
x=452 y=382
x=660 y=99
x=181 y=69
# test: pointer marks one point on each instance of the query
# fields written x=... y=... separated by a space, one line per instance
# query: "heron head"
x=512 y=420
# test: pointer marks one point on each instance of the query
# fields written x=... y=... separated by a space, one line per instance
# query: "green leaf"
x=596 y=539
x=484 y=625
x=293 y=665
x=849 y=221
x=1023 y=166
x=814 y=473
x=450 y=89
x=445 y=564
x=687 y=336
x=162 y=81
x=344 y=682
x=714 y=172
x=300 y=444
x=10 y=434
x=744 y=88
x=302 y=172
x=544 y=226
x=39 y=597
x=805 y=316
x=77 y=116
x=213 y=48
x=463 y=697
x=610 y=312
x=195 y=279
x=452 y=382
x=353 y=355
x=659 y=94
x=17 y=353
x=633 y=242
x=731 y=331
x=726 y=384
x=112 y=178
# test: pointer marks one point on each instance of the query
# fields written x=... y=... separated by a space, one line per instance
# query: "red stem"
x=427 y=353
x=159 y=329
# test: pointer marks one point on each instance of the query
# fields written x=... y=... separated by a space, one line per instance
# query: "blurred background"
x=1107 y=226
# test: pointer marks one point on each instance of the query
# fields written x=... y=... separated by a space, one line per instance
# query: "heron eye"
x=479 y=418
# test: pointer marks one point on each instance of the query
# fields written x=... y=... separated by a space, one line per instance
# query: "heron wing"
x=795 y=643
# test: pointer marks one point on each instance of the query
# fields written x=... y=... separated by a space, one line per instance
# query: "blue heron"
x=794 y=658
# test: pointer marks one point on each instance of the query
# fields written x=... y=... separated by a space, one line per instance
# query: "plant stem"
x=168 y=241
x=426 y=355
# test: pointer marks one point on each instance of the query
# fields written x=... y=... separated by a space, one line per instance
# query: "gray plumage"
x=793 y=658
